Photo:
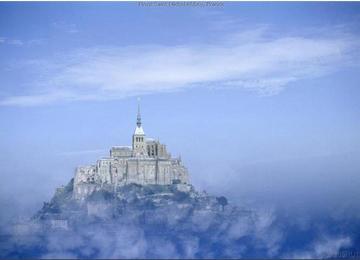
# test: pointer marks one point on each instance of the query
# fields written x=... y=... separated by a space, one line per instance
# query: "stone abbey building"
x=145 y=162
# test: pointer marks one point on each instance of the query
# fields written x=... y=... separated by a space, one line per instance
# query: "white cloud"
x=65 y=27
x=327 y=247
x=18 y=42
x=5 y=40
x=250 y=60
x=82 y=152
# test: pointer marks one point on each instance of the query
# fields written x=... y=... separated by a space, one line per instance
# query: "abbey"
x=145 y=162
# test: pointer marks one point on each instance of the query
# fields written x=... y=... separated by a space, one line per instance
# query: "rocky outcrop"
x=135 y=221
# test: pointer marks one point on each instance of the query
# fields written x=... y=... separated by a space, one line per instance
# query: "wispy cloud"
x=18 y=42
x=250 y=60
x=326 y=247
x=5 y=40
x=82 y=152
x=65 y=26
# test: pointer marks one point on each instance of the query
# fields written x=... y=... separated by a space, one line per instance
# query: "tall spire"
x=138 y=120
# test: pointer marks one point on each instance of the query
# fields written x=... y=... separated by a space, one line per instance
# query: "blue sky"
x=260 y=99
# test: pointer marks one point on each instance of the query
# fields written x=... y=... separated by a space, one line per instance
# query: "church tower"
x=138 y=141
